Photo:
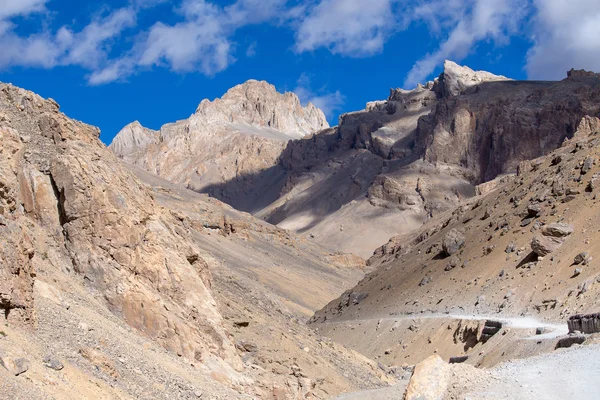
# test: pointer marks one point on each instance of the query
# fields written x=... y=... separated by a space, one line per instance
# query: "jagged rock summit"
x=258 y=103
x=254 y=107
x=231 y=138
x=456 y=79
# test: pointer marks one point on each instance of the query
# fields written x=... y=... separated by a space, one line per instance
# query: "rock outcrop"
x=78 y=209
x=458 y=79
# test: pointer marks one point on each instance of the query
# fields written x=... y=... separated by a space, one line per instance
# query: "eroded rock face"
x=71 y=205
x=490 y=128
x=402 y=160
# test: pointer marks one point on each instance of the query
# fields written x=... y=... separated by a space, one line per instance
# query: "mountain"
x=231 y=138
x=386 y=170
x=115 y=283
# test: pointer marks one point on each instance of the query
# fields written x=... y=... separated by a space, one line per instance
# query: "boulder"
x=558 y=230
x=429 y=381
x=15 y=366
x=581 y=258
x=53 y=363
x=544 y=245
x=453 y=241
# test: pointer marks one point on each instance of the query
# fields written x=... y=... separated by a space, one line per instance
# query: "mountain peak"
x=259 y=103
x=455 y=79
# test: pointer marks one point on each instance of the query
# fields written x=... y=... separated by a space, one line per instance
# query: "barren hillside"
x=117 y=285
x=522 y=255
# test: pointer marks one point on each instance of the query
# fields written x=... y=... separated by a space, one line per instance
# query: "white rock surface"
x=456 y=79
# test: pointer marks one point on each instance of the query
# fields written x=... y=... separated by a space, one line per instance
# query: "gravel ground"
x=565 y=374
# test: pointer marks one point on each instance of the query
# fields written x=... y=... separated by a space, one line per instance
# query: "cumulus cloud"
x=472 y=22
x=13 y=8
x=565 y=36
x=328 y=102
x=199 y=35
x=87 y=48
x=202 y=41
x=355 y=28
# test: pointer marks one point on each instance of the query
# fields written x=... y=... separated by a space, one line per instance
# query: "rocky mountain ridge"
x=231 y=138
x=399 y=161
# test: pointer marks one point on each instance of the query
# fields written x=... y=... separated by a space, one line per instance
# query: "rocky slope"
x=525 y=248
x=91 y=247
x=386 y=170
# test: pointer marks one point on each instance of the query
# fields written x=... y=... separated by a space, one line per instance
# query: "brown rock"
x=15 y=366
x=429 y=380
x=558 y=230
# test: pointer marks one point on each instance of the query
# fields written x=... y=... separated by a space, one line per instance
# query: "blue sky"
x=114 y=61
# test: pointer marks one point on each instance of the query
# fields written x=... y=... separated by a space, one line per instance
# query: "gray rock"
x=558 y=230
x=544 y=245
x=245 y=346
x=534 y=210
x=425 y=281
x=510 y=248
x=453 y=263
x=588 y=163
x=53 y=363
x=15 y=366
x=453 y=241
x=526 y=222
x=581 y=258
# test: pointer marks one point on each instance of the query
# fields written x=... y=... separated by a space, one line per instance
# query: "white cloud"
x=475 y=21
x=355 y=28
x=251 y=50
x=13 y=8
x=201 y=42
x=566 y=35
x=327 y=102
x=87 y=48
